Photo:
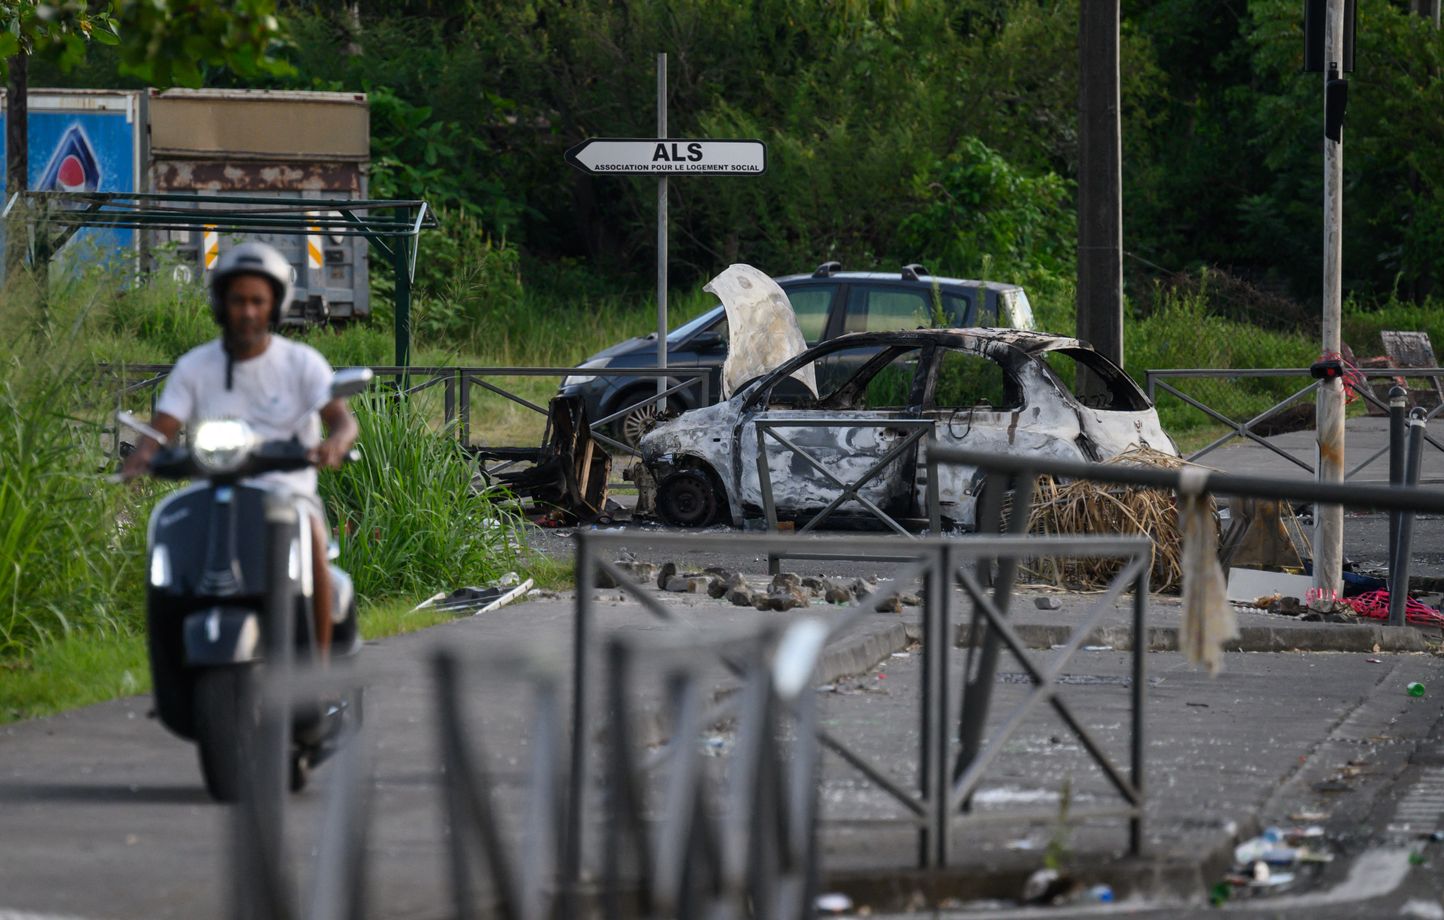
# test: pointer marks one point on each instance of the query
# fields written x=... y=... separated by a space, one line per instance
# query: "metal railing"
x=730 y=844
x=851 y=491
x=946 y=780
x=1158 y=381
x=457 y=384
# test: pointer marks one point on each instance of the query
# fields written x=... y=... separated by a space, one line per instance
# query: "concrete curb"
x=860 y=653
x=1322 y=637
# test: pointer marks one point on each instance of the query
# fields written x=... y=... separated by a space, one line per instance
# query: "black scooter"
x=229 y=588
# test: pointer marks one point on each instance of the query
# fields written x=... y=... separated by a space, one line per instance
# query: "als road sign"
x=668 y=157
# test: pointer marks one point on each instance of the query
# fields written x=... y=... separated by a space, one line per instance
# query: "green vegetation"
x=409 y=517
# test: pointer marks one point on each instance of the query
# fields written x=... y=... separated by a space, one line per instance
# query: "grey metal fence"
x=1223 y=401
x=947 y=774
x=767 y=429
x=457 y=384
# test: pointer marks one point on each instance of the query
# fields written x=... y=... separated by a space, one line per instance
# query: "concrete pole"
x=1100 y=183
x=17 y=154
x=661 y=231
x=1329 y=519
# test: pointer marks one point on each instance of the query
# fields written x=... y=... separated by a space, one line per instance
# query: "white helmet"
x=252 y=258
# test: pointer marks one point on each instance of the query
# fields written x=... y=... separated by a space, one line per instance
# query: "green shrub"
x=410 y=517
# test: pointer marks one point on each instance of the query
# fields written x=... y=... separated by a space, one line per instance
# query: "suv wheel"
x=640 y=419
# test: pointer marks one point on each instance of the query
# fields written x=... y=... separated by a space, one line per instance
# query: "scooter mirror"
x=350 y=381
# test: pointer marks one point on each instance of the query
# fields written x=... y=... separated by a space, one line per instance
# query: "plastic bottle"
x=1101 y=893
x=1416 y=689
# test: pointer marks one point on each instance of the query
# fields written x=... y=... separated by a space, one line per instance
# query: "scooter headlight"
x=222 y=445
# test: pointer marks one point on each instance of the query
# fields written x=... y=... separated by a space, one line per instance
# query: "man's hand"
x=329 y=454
x=341 y=434
x=138 y=463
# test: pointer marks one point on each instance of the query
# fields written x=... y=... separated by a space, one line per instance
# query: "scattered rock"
x=720 y=571
x=862 y=587
x=1047 y=602
x=666 y=572
x=637 y=571
x=788 y=599
x=687 y=584
x=889 y=605
x=1286 y=606
x=718 y=585
x=739 y=592
x=838 y=594
x=785 y=581
x=817 y=586
x=911 y=600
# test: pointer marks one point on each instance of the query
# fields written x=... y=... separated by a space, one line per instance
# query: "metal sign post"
x=661 y=236
x=662 y=157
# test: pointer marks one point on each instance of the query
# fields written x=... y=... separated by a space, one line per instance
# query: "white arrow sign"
x=668 y=157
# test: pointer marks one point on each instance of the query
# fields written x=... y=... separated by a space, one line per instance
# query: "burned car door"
x=992 y=398
x=885 y=387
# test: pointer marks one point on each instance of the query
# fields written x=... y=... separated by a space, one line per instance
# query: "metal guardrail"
x=707 y=848
x=945 y=780
x=457 y=383
x=767 y=428
x=1157 y=380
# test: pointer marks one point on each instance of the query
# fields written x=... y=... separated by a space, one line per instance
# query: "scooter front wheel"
x=225 y=708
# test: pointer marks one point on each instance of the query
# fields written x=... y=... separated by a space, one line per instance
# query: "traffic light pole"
x=1329 y=519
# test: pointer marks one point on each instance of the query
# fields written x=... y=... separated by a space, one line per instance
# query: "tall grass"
x=70 y=548
x=410 y=517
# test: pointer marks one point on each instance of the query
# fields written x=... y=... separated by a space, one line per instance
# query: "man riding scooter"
x=266 y=381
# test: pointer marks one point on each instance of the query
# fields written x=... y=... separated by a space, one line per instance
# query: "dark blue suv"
x=827 y=302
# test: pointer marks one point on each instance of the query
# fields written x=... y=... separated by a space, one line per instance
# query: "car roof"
x=1024 y=340
x=897 y=278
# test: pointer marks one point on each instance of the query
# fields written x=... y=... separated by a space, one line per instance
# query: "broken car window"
x=866 y=377
x=971 y=381
x=1108 y=388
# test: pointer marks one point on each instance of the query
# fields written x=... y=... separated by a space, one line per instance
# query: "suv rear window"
x=872 y=308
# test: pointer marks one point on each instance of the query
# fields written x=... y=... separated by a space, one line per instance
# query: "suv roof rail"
x=912 y=270
x=826 y=269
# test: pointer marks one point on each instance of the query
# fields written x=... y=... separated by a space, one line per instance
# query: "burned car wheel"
x=687 y=499
x=637 y=422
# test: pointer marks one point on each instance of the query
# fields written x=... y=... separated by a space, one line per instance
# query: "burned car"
x=1002 y=390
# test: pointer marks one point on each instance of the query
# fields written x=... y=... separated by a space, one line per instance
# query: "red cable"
x=1375 y=606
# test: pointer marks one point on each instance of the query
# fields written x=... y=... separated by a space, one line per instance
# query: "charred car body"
x=1001 y=390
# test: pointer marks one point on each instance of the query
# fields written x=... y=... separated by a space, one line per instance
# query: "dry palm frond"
x=1084 y=507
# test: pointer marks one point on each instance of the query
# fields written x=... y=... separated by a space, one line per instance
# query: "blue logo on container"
x=73 y=166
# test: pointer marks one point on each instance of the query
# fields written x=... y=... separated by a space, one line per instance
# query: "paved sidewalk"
x=102 y=815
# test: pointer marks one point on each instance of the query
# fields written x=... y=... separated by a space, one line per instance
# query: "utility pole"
x=1329 y=519
x=1100 y=182
x=17 y=156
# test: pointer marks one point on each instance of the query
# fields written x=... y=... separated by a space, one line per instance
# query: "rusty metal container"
x=263 y=143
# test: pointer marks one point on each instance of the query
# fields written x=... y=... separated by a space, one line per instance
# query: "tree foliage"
x=162 y=42
x=882 y=118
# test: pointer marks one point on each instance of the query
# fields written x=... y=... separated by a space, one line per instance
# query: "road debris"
x=475 y=600
x=568 y=475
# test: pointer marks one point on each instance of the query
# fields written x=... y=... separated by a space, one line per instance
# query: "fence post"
x=1398 y=398
x=1399 y=571
x=577 y=777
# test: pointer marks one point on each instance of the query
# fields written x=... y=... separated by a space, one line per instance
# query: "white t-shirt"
x=270 y=392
